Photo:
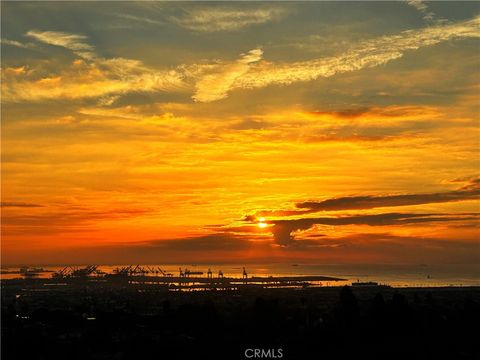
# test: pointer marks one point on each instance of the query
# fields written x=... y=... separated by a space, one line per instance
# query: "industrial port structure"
x=155 y=277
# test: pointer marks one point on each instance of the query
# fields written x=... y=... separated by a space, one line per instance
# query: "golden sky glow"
x=171 y=132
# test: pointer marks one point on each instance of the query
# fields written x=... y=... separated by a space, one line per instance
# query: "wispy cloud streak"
x=226 y=19
x=215 y=86
x=104 y=76
x=427 y=14
x=17 y=44
x=76 y=43
x=368 y=54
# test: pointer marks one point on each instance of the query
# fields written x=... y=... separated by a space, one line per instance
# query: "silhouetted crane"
x=166 y=274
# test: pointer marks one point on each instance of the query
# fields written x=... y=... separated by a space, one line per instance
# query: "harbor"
x=155 y=277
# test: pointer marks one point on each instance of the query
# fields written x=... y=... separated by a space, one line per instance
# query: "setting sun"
x=261 y=223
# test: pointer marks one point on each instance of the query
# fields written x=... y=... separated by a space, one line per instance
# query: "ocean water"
x=421 y=275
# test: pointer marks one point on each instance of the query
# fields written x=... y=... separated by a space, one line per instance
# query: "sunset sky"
x=246 y=132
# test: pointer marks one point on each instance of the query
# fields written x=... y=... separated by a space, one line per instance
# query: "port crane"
x=245 y=274
x=76 y=272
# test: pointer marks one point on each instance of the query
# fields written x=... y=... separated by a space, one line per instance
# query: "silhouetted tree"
x=348 y=307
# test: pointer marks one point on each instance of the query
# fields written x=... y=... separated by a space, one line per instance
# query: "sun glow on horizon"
x=261 y=223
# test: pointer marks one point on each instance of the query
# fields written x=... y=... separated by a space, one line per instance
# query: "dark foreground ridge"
x=91 y=321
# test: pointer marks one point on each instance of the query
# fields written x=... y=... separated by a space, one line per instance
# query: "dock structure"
x=233 y=283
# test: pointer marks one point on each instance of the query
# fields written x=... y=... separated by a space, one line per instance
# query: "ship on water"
x=31 y=271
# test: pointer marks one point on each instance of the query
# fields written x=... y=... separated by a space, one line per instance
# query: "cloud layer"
x=212 y=82
x=370 y=202
x=368 y=54
x=283 y=229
